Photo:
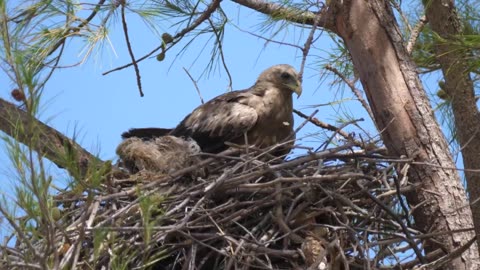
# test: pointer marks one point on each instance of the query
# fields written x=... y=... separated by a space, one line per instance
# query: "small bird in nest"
x=164 y=155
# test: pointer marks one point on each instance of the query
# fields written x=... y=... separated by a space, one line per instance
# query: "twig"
x=220 y=50
x=326 y=143
x=130 y=50
x=389 y=211
x=307 y=119
x=307 y=45
x=324 y=125
x=449 y=257
x=77 y=28
x=270 y=40
x=354 y=89
x=205 y=15
x=195 y=84
x=402 y=173
x=415 y=33
x=402 y=15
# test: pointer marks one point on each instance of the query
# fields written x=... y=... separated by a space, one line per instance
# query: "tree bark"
x=403 y=114
x=444 y=20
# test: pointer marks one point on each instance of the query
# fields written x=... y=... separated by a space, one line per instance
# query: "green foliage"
x=122 y=259
x=99 y=241
x=423 y=53
x=464 y=48
x=339 y=58
x=30 y=36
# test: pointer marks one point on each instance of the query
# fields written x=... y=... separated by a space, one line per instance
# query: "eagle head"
x=282 y=76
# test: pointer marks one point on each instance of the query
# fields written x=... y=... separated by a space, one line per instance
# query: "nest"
x=336 y=208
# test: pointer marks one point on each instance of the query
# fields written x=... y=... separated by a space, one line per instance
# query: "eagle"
x=261 y=115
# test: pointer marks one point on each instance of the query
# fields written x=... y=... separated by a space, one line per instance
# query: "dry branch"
x=45 y=140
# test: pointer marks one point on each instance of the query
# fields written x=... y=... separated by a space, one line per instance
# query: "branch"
x=47 y=141
x=196 y=85
x=130 y=50
x=397 y=7
x=220 y=51
x=354 y=89
x=289 y=13
x=449 y=257
x=324 y=125
x=77 y=29
x=415 y=33
x=205 y=15
x=306 y=47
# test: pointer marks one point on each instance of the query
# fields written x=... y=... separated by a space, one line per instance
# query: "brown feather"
x=165 y=154
x=263 y=113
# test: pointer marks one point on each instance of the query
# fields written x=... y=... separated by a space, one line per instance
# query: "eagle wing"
x=225 y=118
x=146 y=133
x=262 y=114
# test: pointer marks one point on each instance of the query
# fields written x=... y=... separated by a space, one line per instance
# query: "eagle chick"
x=163 y=155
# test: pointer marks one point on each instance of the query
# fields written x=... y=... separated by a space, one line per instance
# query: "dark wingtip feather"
x=146 y=133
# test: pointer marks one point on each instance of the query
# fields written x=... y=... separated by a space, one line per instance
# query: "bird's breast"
x=272 y=128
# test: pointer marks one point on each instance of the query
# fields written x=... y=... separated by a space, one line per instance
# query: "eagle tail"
x=146 y=133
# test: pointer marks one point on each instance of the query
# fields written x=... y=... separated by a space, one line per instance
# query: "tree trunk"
x=404 y=116
x=444 y=20
x=402 y=113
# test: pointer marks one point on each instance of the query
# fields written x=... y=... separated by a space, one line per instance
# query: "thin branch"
x=449 y=257
x=205 y=15
x=308 y=44
x=78 y=28
x=402 y=15
x=20 y=232
x=355 y=90
x=415 y=33
x=195 y=84
x=289 y=13
x=324 y=125
x=307 y=119
x=220 y=50
x=130 y=51
x=270 y=40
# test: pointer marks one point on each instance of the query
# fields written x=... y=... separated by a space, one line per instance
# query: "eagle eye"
x=285 y=75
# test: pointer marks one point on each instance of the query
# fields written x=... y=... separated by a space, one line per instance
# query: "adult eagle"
x=262 y=114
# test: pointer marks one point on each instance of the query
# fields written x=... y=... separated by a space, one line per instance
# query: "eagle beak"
x=297 y=88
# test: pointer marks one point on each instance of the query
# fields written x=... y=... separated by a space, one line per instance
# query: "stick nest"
x=336 y=208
